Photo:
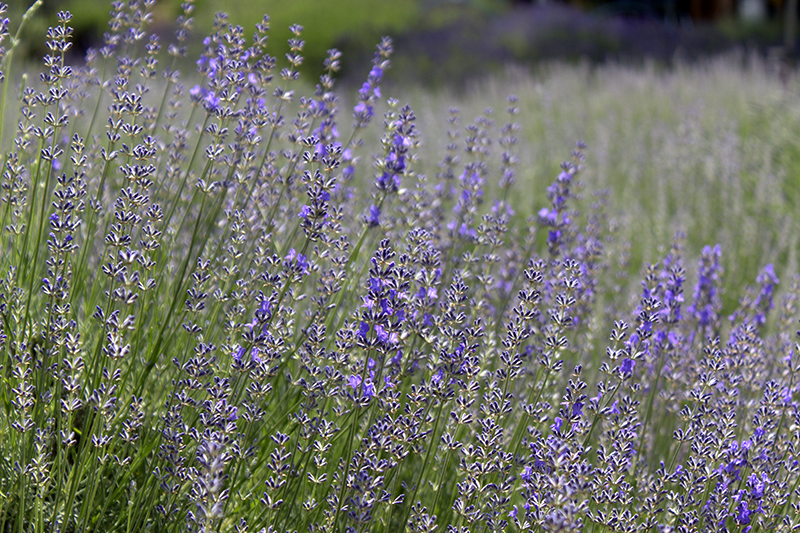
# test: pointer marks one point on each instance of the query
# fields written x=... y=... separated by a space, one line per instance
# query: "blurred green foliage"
x=438 y=42
x=327 y=24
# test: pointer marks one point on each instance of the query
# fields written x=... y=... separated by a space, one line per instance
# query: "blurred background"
x=447 y=42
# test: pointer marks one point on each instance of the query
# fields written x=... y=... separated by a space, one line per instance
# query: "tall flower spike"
x=370 y=91
x=707 y=304
x=3 y=34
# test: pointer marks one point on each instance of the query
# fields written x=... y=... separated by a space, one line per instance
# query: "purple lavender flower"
x=436 y=355
x=757 y=485
x=627 y=366
x=211 y=102
x=373 y=219
x=366 y=391
x=295 y=262
x=743 y=514
x=556 y=218
x=370 y=90
x=763 y=303
x=706 y=303
x=198 y=93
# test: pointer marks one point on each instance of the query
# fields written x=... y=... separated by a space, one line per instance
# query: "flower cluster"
x=214 y=317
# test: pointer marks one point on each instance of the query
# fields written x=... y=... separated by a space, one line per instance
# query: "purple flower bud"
x=757 y=485
x=295 y=262
x=786 y=395
x=211 y=102
x=239 y=354
x=302 y=263
x=743 y=514
x=363 y=110
x=373 y=219
x=627 y=366
x=369 y=389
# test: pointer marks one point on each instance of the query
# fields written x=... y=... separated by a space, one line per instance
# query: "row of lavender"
x=219 y=313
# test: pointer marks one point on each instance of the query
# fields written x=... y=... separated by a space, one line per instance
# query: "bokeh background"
x=449 y=41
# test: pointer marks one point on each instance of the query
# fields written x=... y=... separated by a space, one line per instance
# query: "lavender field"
x=234 y=299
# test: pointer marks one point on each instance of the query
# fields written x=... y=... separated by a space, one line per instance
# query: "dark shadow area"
x=623 y=31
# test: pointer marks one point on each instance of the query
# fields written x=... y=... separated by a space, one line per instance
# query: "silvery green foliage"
x=221 y=311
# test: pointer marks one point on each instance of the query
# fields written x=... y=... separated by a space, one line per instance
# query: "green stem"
x=431 y=446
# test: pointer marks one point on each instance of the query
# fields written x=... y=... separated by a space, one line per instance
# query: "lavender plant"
x=227 y=308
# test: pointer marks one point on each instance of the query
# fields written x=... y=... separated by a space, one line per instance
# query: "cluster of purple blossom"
x=214 y=317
